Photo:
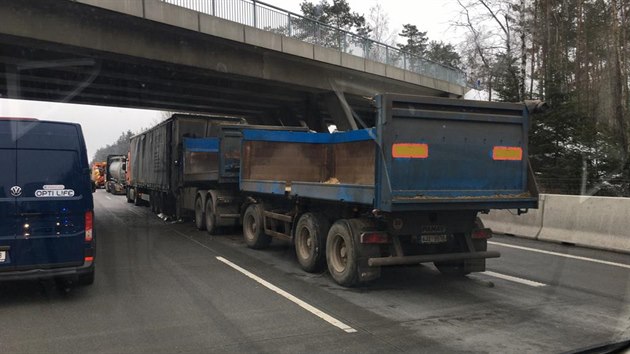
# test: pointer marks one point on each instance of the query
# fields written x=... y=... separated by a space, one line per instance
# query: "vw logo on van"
x=16 y=191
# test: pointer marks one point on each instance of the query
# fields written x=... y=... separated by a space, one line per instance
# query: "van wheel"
x=86 y=279
x=253 y=230
x=341 y=254
x=200 y=218
x=310 y=241
x=211 y=224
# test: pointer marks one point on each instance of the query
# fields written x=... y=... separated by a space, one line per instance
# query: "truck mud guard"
x=388 y=261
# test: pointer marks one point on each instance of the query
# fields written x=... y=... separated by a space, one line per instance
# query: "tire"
x=152 y=202
x=459 y=269
x=137 y=201
x=210 y=217
x=253 y=229
x=200 y=218
x=341 y=254
x=129 y=200
x=310 y=241
x=86 y=279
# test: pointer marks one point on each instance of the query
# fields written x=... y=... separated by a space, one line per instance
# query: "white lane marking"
x=562 y=255
x=514 y=279
x=315 y=311
x=108 y=197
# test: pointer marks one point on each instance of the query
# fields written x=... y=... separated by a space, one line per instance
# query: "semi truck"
x=115 y=179
x=407 y=190
x=98 y=173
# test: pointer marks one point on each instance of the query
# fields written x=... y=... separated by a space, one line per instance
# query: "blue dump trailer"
x=406 y=191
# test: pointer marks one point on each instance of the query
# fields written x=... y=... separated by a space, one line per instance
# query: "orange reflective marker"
x=410 y=151
x=507 y=153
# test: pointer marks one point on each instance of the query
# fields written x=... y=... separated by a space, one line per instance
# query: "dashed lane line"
x=621 y=265
x=514 y=279
x=315 y=311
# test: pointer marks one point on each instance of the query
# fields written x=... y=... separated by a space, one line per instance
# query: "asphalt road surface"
x=169 y=288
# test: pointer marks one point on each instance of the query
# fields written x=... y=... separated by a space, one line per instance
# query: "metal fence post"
x=387 y=55
x=254 y=3
x=214 y=9
x=289 y=25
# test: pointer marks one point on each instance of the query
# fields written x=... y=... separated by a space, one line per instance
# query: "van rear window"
x=39 y=168
x=7 y=133
x=48 y=135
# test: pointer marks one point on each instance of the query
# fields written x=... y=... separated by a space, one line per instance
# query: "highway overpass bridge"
x=157 y=55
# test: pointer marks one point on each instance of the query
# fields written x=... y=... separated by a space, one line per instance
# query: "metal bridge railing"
x=273 y=19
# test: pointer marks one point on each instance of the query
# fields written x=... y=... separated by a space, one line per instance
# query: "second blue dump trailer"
x=406 y=191
x=188 y=167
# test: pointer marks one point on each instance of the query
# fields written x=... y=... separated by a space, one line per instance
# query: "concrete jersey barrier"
x=598 y=222
x=594 y=222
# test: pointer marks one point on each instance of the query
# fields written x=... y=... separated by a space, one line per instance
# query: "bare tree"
x=495 y=29
x=378 y=20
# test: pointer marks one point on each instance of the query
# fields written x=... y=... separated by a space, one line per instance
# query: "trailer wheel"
x=253 y=230
x=310 y=241
x=152 y=203
x=200 y=218
x=210 y=218
x=129 y=200
x=137 y=200
x=341 y=254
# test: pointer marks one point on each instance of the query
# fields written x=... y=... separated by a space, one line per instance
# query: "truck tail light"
x=507 y=153
x=481 y=234
x=374 y=237
x=89 y=223
x=410 y=151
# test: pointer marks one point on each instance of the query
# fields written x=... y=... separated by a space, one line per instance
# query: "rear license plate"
x=3 y=256
x=433 y=238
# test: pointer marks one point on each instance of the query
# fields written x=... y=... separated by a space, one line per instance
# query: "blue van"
x=46 y=204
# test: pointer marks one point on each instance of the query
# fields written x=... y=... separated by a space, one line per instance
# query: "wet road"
x=169 y=288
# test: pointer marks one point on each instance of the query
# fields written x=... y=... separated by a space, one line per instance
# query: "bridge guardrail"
x=273 y=19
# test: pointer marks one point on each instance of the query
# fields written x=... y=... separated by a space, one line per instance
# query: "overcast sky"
x=102 y=125
x=432 y=16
